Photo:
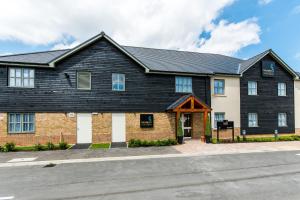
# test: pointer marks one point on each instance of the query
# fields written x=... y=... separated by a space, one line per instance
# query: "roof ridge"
x=35 y=52
x=182 y=51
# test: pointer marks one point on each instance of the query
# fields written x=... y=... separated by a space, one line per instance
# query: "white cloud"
x=296 y=10
x=227 y=38
x=5 y=53
x=172 y=24
x=297 y=56
x=65 y=45
x=264 y=2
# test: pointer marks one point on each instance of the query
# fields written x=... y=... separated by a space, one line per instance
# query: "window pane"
x=183 y=84
x=12 y=72
x=219 y=86
x=84 y=79
x=252 y=120
x=252 y=88
x=26 y=73
x=31 y=73
x=12 y=82
x=282 y=119
x=18 y=73
x=118 y=82
x=219 y=117
x=21 y=122
x=18 y=82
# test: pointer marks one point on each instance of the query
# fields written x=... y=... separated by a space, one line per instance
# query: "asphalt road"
x=241 y=176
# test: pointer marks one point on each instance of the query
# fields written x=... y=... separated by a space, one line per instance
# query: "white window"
x=219 y=86
x=84 y=80
x=118 y=82
x=282 y=121
x=183 y=84
x=252 y=120
x=219 y=117
x=252 y=88
x=21 y=77
x=21 y=122
x=281 y=89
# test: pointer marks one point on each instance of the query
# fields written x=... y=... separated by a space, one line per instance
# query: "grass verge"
x=100 y=146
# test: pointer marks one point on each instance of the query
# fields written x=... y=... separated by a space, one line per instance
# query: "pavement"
x=247 y=176
x=190 y=147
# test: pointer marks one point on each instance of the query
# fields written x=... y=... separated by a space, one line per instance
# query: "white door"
x=84 y=128
x=118 y=127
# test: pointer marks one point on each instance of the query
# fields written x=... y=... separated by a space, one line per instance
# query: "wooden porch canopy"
x=190 y=104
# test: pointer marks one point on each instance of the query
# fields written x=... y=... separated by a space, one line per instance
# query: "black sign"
x=225 y=124
x=268 y=68
x=146 y=120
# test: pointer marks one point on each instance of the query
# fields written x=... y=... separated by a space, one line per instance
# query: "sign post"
x=224 y=125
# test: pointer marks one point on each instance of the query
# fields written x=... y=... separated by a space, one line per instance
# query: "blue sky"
x=280 y=27
x=240 y=28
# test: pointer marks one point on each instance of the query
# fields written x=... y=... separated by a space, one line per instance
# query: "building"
x=101 y=91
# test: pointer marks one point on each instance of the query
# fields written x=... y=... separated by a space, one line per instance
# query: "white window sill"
x=219 y=95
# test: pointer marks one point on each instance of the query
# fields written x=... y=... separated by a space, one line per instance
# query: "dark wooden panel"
x=53 y=92
x=267 y=104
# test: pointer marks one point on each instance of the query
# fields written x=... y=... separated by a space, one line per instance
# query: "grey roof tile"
x=247 y=63
x=183 y=61
x=33 y=58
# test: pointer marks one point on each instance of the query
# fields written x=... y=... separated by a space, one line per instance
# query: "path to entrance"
x=198 y=147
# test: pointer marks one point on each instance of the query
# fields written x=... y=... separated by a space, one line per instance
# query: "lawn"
x=100 y=146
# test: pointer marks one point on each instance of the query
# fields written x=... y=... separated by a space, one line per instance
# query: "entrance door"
x=187 y=124
x=84 y=128
x=118 y=127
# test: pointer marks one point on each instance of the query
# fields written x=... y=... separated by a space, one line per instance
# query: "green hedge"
x=145 y=143
x=10 y=146
x=258 y=139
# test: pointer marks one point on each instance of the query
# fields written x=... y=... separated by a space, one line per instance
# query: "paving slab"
x=87 y=153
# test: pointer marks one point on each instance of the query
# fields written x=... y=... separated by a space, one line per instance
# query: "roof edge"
x=277 y=58
x=92 y=40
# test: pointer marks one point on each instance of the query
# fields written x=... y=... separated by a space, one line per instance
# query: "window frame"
x=183 y=77
x=280 y=89
x=223 y=88
x=22 y=122
x=249 y=89
x=90 y=80
x=22 y=78
x=215 y=119
x=118 y=82
x=286 y=122
x=256 y=121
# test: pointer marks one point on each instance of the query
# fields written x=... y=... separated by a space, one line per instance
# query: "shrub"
x=145 y=143
x=214 y=140
x=63 y=145
x=1 y=149
x=179 y=128
x=10 y=146
x=238 y=138
x=50 y=146
x=38 y=147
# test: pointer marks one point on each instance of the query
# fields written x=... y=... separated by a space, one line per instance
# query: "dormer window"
x=21 y=77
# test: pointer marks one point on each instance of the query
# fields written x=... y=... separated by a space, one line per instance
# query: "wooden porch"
x=190 y=104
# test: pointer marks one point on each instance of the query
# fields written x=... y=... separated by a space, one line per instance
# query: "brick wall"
x=48 y=127
x=102 y=128
x=226 y=134
x=164 y=127
x=197 y=125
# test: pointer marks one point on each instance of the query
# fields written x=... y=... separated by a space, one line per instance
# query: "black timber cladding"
x=54 y=92
x=267 y=104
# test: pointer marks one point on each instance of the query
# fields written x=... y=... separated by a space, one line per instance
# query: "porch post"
x=176 y=123
x=204 y=122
